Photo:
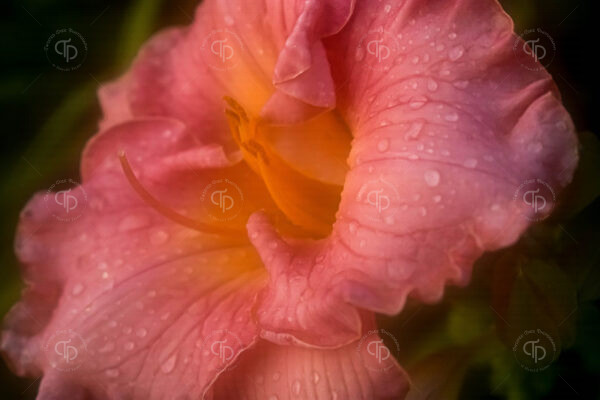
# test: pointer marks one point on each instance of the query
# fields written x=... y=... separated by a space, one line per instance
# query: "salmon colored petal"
x=269 y=371
x=445 y=132
x=276 y=52
x=363 y=369
x=136 y=299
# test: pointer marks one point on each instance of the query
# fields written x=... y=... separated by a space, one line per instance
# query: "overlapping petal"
x=140 y=298
x=445 y=130
x=446 y=124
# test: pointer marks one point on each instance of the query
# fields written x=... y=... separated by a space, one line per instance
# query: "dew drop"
x=159 y=237
x=432 y=85
x=112 y=373
x=452 y=36
x=456 y=53
x=387 y=8
x=417 y=102
x=276 y=376
x=132 y=222
x=129 y=346
x=414 y=131
x=470 y=163
x=141 y=332
x=316 y=377
x=383 y=145
x=432 y=178
x=437 y=198
x=352 y=227
x=296 y=387
x=107 y=348
x=360 y=54
x=77 y=289
x=169 y=365
x=452 y=117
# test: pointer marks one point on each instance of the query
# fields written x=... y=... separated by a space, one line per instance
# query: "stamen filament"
x=164 y=210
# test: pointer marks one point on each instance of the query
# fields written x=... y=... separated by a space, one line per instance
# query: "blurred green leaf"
x=141 y=21
x=586 y=185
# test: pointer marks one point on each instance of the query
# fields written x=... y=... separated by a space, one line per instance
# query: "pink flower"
x=158 y=291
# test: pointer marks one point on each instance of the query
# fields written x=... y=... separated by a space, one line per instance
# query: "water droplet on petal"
x=77 y=289
x=316 y=377
x=432 y=85
x=352 y=227
x=159 y=237
x=437 y=199
x=141 y=332
x=129 y=346
x=276 y=376
x=132 y=222
x=107 y=348
x=432 y=178
x=296 y=387
x=452 y=36
x=169 y=365
x=452 y=117
x=414 y=131
x=360 y=54
x=417 y=102
x=112 y=373
x=470 y=163
x=383 y=145
x=456 y=53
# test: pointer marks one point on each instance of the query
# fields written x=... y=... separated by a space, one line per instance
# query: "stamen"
x=237 y=108
x=164 y=210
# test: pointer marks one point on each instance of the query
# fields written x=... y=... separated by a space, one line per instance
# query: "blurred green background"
x=550 y=279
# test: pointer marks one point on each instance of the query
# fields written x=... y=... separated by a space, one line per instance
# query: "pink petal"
x=446 y=131
x=138 y=297
x=270 y=371
x=278 y=59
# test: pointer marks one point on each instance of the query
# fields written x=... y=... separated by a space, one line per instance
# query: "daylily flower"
x=265 y=180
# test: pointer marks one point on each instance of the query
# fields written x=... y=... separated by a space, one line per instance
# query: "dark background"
x=47 y=115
